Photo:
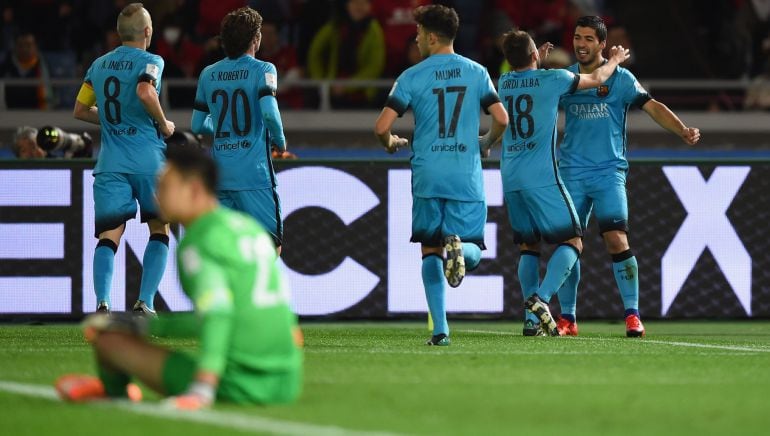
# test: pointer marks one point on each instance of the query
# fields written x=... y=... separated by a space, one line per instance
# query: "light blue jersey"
x=446 y=93
x=595 y=132
x=130 y=142
x=239 y=97
x=529 y=143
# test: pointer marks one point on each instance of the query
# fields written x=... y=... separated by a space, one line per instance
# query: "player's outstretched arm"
x=149 y=98
x=618 y=55
x=85 y=105
x=382 y=128
x=499 y=123
x=669 y=121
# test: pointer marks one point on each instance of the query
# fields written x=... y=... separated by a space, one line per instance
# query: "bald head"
x=134 y=24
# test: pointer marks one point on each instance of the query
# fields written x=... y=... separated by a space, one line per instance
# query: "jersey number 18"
x=523 y=112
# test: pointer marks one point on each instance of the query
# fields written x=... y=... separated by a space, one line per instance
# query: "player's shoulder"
x=473 y=65
x=554 y=73
x=574 y=68
x=219 y=230
x=150 y=58
x=625 y=73
x=263 y=65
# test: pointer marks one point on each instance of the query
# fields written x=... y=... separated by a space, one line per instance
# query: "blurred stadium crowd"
x=374 y=39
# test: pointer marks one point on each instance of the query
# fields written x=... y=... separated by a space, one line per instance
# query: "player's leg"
x=612 y=213
x=526 y=237
x=427 y=216
x=156 y=253
x=264 y=206
x=114 y=204
x=463 y=232
x=119 y=358
x=556 y=220
x=568 y=292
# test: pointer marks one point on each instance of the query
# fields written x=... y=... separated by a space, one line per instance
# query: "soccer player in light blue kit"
x=120 y=93
x=446 y=92
x=236 y=103
x=539 y=206
x=593 y=165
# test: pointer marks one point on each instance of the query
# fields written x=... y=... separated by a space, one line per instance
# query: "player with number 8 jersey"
x=120 y=93
x=235 y=102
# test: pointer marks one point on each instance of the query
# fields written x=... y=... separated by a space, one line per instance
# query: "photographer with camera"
x=50 y=142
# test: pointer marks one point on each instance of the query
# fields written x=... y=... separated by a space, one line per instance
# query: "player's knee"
x=106 y=343
x=158 y=227
x=616 y=241
x=535 y=248
x=576 y=243
x=427 y=251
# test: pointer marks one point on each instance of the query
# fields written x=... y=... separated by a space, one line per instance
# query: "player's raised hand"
x=396 y=143
x=619 y=53
x=167 y=129
x=545 y=50
x=690 y=135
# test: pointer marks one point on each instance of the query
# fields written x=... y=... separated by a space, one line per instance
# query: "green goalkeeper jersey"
x=227 y=266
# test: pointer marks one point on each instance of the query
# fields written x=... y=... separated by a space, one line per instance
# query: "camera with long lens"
x=56 y=141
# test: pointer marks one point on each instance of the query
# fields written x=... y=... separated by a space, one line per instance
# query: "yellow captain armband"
x=86 y=95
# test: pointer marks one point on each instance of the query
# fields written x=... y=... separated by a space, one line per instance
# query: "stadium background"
x=708 y=64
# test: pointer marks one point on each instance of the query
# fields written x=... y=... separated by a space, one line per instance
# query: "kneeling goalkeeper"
x=248 y=338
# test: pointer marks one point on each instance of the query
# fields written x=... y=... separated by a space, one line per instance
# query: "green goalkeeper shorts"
x=237 y=385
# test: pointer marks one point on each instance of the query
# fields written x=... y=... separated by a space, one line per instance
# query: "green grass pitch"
x=684 y=378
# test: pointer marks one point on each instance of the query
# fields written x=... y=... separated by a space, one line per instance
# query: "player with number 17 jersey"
x=446 y=93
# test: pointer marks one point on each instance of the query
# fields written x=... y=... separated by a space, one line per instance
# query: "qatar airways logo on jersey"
x=589 y=111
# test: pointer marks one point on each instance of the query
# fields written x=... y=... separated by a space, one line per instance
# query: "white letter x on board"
x=706 y=226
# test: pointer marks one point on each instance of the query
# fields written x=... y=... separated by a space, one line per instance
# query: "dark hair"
x=438 y=19
x=516 y=48
x=239 y=28
x=595 y=23
x=196 y=162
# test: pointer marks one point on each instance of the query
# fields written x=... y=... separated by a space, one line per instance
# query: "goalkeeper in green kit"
x=249 y=344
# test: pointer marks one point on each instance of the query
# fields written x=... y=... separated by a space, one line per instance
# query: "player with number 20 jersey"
x=235 y=102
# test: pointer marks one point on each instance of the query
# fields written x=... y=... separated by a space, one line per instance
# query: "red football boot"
x=567 y=327
x=634 y=327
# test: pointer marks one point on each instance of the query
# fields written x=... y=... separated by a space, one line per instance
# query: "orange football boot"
x=79 y=388
x=634 y=327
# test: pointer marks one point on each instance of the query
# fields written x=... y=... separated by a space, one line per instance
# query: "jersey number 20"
x=239 y=95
